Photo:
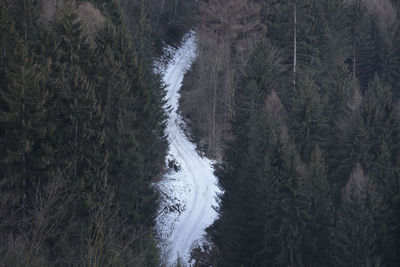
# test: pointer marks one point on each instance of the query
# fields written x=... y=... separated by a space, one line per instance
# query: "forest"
x=82 y=129
x=299 y=102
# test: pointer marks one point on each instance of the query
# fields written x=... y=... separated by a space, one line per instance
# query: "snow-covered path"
x=189 y=195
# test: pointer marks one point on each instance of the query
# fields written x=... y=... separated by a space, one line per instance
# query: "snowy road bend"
x=189 y=194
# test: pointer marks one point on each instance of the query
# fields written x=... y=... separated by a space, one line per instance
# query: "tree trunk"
x=354 y=60
x=75 y=147
x=25 y=24
x=295 y=44
x=159 y=13
x=214 y=107
x=24 y=182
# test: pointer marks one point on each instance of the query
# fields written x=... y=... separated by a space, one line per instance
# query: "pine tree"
x=111 y=89
x=355 y=234
x=76 y=111
x=86 y=122
x=9 y=42
x=369 y=53
x=343 y=212
x=392 y=65
x=284 y=226
x=379 y=116
x=240 y=172
x=26 y=15
x=69 y=58
x=384 y=180
x=306 y=118
x=340 y=92
x=87 y=134
x=315 y=187
x=23 y=123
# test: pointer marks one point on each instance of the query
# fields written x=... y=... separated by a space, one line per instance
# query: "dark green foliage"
x=382 y=124
x=284 y=224
x=354 y=235
x=26 y=16
x=380 y=120
x=369 y=54
x=320 y=185
x=341 y=90
x=265 y=164
x=81 y=140
x=233 y=177
x=392 y=64
x=167 y=21
x=307 y=120
x=24 y=130
x=315 y=187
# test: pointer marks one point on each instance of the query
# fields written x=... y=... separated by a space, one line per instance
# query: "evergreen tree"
x=340 y=92
x=339 y=213
x=240 y=172
x=81 y=138
x=392 y=65
x=306 y=118
x=23 y=124
x=26 y=15
x=284 y=226
x=355 y=235
x=379 y=116
x=315 y=187
x=369 y=53
x=384 y=180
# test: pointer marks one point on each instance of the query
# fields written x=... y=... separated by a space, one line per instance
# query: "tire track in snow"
x=194 y=188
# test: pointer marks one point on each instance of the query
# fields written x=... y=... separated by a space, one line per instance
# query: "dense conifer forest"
x=82 y=129
x=299 y=100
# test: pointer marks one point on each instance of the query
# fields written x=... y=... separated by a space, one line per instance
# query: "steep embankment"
x=189 y=194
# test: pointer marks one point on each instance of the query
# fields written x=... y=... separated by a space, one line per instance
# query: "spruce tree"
x=26 y=14
x=240 y=172
x=24 y=127
x=340 y=92
x=318 y=214
x=392 y=66
x=384 y=180
x=379 y=116
x=369 y=53
x=284 y=209
x=306 y=118
x=354 y=238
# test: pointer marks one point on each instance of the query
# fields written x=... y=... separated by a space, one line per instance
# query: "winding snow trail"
x=189 y=194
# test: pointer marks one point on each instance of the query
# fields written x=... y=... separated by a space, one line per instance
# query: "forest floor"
x=190 y=188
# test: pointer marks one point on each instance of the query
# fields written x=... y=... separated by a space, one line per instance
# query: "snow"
x=188 y=194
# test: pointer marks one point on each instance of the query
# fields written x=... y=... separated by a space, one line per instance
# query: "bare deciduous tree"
x=227 y=29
